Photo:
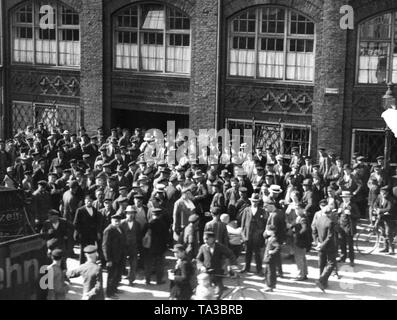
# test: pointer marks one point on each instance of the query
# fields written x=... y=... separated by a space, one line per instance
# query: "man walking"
x=113 y=246
x=253 y=225
x=324 y=233
x=133 y=239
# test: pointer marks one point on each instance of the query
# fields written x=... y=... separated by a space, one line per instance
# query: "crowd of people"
x=127 y=209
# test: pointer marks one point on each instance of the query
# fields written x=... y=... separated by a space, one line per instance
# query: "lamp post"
x=389 y=101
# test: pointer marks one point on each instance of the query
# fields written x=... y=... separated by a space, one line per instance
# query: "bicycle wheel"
x=246 y=293
x=367 y=240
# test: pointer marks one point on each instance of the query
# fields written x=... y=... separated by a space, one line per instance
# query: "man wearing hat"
x=385 y=209
x=296 y=158
x=41 y=204
x=363 y=169
x=71 y=200
x=113 y=246
x=231 y=198
x=253 y=224
x=92 y=275
x=309 y=199
x=217 y=226
x=58 y=228
x=323 y=161
x=59 y=289
x=307 y=169
x=87 y=223
x=133 y=238
x=191 y=236
x=183 y=208
x=159 y=200
x=281 y=169
x=259 y=158
x=40 y=173
x=155 y=254
x=348 y=217
x=335 y=171
x=210 y=259
x=323 y=229
x=181 y=276
x=218 y=199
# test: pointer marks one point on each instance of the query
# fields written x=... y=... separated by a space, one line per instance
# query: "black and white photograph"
x=197 y=150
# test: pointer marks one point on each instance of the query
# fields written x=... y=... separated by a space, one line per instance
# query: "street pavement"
x=373 y=277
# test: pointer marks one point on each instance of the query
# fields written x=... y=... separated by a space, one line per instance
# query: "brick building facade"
x=283 y=67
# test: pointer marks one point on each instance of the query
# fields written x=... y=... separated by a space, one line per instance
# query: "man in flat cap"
x=133 y=242
x=87 y=223
x=217 y=226
x=41 y=204
x=113 y=246
x=385 y=209
x=92 y=275
x=210 y=259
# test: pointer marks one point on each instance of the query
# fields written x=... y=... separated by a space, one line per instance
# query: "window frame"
x=392 y=42
x=166 y=31
x=286 y=36
x=283 y=127
x=35 y=27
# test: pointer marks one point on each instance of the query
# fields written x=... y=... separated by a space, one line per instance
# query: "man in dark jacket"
x=302 y=242
x=87 y=223
x=133 y=241
x=155 y=254
x=385 y=209
x=324 y=232
x=113 y=246
x=348 y=216
x=41 y=204
x=182 y=276
x=210 y=259
x=253 y=225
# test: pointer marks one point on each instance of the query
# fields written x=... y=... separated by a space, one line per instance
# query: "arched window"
x=45 y=40
x=271 y=43
x=152 y=38
x=377 y=61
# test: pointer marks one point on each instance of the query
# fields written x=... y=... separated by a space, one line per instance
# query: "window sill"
x=45 y=67
x=275 y=81
x=151 y=74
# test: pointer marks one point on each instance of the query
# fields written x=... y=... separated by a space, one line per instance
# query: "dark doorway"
x=148 y=120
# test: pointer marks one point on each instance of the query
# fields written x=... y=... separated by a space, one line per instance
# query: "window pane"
x=273 y=20
x=69 y=16
x=301 y=25
x=152 y=17
x=177 y=20
x=127 y=50
x=24 y=14
x=245 y=22
x=271 y=58
x=373 y=62
x=376 y=28
x=300 y=60
x=128 y=18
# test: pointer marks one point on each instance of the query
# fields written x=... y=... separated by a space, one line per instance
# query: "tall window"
x=152 y=38
x=57 y=46
x=378 y=49
x=272 y=43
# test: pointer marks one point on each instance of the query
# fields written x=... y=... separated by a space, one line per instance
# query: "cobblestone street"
x=374 y=277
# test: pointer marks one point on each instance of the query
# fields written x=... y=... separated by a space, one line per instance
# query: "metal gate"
x=371 y=144
x=65 y=117
x=280 y=137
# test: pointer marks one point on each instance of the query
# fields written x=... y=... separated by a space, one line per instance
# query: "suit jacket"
x=181 y=215
x=387 y=206
x=277 y=219
x=348 y=217
x=273 y=247
x=160 y=236
x=219 y=228
x=310 y=202
x=324 y=232
x=254 y=230
x=214 y=261
x=133 y=237
x=113 y=244
x=62 y=162
x=87 y=227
